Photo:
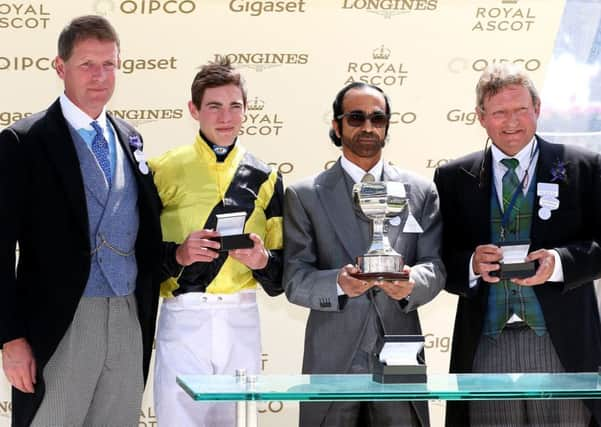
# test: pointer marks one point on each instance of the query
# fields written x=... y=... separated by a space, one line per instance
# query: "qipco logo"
x=149 y=7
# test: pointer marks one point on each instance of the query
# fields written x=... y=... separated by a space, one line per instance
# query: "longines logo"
x=129 y=66
x=145 y=7
x=139 y=117
x=509 y=16
x=459 y=116
x=29 y=16
x=7 y=118
x=259 y=7
x=259 y=122
x=148 y=417
x=379 y=70
x=6 y=408
x=262 y=61
x=389 y=8
x=459 y=65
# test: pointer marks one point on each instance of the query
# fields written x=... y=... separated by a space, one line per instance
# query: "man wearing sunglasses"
x=324 y=233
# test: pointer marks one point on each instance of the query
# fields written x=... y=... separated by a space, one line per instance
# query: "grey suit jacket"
x=322 y=235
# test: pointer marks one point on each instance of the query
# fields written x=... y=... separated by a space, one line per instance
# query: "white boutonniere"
x=136 y=144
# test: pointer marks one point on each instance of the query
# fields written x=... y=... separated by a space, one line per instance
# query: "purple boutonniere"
x=135 y=142
x=559 y=172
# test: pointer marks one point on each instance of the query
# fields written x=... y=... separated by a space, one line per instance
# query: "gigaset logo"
x=258 y=7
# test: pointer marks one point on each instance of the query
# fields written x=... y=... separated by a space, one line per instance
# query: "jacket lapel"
x=548 y=154
x=479 y=181
x=337 y=205
x=61 y=151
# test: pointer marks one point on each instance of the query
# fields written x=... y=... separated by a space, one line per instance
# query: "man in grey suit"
x=323 y=234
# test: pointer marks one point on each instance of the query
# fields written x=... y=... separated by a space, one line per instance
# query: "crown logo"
x=256 y=104
x=381 y=53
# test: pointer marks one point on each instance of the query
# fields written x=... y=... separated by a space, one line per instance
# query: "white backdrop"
x=295 y=55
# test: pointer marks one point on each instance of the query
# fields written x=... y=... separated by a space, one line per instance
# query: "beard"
x=364 y=144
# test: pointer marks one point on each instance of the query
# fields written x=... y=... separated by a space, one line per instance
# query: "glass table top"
x=353 y=387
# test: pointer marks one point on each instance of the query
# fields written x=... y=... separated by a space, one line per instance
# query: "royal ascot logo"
x=283 y=168
x=132 y=65
x=148 y=417
x=507 y=16
x=145 y=7
x=262 y=61
x=379 y=70
x=259 y=122
x=441 y=344
x=27 y=16
x=7 y=118
x=460 y=65
x=457 y=115
x=140 y=117
x=390 y=8
x=259 y=7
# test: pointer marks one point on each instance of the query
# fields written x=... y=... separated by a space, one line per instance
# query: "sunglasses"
x=357 y=118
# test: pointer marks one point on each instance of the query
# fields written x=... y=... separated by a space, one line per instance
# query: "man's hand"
x=351 y=286
x=197 y=248
x=19 y=365
x=254 y=258
x=546 y=265
x=397 y=289
x=485 y=260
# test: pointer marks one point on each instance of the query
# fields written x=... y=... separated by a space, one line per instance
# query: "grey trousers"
x=94 y=378
x=359 y=414
x=521 y=350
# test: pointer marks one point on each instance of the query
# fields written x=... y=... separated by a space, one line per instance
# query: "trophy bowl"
x=380 y=201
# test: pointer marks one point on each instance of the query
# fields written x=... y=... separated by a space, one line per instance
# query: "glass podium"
x=247 y=390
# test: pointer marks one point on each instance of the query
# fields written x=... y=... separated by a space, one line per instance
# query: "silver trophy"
x=380 y=201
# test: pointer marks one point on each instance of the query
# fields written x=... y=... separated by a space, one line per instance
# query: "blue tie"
x=100 y=148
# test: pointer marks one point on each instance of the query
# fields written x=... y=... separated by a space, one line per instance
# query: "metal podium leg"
x=246 y=414
x=241 y=414
x=251 y=413
x=246 y=410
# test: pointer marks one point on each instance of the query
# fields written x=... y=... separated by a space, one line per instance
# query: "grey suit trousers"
x=521 y=350
x=94 y=378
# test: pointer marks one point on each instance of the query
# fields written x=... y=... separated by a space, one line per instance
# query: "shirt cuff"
x=557 y=275
x=339 y=290
x=473 y=276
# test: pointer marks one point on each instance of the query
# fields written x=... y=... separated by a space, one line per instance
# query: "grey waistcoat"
x=113 y=222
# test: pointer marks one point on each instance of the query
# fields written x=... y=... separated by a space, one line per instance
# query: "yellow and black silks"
x=194 y=188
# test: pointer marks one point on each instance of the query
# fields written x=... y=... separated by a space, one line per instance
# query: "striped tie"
x=510 y=185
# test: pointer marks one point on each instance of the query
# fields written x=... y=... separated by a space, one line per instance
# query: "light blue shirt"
x=80 y=121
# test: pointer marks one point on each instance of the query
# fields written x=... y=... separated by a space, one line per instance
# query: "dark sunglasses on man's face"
x=357 y=118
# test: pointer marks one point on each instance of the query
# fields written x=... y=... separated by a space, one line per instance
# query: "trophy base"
x=385 y=276
x=517 y=270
